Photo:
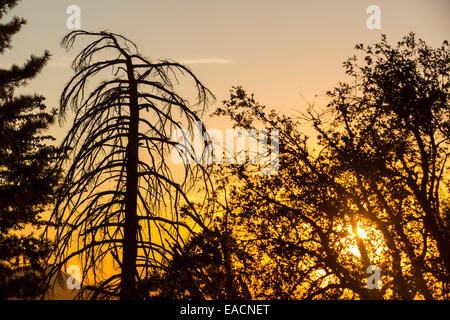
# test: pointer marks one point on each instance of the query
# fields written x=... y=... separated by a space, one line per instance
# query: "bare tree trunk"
x=128 y=280
x=107 y=189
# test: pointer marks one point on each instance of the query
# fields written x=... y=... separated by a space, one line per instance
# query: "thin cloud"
x=60 y=62
x=206 y=61
x=63 y=62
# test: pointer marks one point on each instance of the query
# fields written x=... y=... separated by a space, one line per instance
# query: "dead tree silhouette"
x=120 y=199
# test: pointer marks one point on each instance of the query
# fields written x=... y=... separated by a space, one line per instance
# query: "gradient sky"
x=275 y=49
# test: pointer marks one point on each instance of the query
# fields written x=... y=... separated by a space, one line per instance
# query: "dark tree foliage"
x=118 y=211
x=27 y=174
x=375 y=191
x=203 y=269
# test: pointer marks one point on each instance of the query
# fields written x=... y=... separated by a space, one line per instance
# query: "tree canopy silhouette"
x=121 y=202
x=203 y=269
x=27 y=172
x=374 y=191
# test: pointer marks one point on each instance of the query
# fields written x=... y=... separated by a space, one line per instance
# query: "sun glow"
x=361 y=232
x=353 y=248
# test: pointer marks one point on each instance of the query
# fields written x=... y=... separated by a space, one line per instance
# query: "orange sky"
x=275 y=49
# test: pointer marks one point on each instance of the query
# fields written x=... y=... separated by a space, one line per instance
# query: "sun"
x=361 y=233
x=353 y=248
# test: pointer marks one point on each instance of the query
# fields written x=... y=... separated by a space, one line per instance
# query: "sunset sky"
x=275 y=49
x=370 y=190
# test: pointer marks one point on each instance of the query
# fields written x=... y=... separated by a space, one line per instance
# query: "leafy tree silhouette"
x=375 y=192
x=27 y=174
x=202 y=269
x=121 y=199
